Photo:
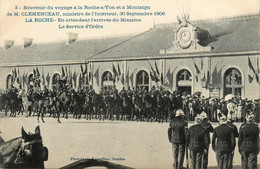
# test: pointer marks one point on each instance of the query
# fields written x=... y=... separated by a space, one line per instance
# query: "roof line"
x=118 y=44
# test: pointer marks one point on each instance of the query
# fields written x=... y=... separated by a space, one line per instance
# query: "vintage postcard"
x=129 y=84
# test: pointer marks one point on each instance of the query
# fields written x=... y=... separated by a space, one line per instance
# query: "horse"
x=25 y=101
x=108 y=100
x=138 y=107
x=24 y=152
x=88 y=106
x=149 y=104
x=126 y=108
x=39 y=105
x=99 y=106
x=117 y=106
x=13 y=102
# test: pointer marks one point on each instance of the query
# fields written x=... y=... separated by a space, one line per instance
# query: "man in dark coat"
x=225 y=143
x=230 y=121
x=176 y=135
x=197 y=141
x=248 y=143
x=209 y=129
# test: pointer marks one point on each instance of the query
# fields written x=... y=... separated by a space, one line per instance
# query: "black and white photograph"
x=122 y=84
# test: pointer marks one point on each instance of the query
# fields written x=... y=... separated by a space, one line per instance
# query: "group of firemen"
x=197 y=139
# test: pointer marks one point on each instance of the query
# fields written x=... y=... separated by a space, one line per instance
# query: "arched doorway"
x=233 y=82
x=9 y=81
x=184 y=81
x=107 y=79
x=142 y=80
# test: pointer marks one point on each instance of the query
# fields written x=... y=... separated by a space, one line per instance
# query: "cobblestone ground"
x=134 y=144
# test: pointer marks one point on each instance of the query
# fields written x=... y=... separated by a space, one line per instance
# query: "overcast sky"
x=14 y=28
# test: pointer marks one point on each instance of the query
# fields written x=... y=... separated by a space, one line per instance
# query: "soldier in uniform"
x=248 y=142
x=152 y=91
x=230 y=121
x=197 y=141
x=122 y=92
x=129 y=92
x=209 y=129
x=225 y=143
x=114 y=90
x=176 y=135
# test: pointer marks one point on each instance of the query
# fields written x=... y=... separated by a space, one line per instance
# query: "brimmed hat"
x=203 y=115
x=223 y=119
x=179 y=112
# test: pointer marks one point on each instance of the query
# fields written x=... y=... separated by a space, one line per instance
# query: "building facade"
x=215 y=57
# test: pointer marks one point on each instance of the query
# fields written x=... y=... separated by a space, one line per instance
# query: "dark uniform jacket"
x=196 y=138
x=234 y=129
x=176 y=131
x=248 y=139
x=209 y=129
x=225 y=138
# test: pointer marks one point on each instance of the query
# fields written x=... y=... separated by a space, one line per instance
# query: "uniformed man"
x=209 y=129
x=197 y=142
x=122 y=92
x=225 y=143
x=152 y=91
x=114 y=90
x=91 y=91
x=176 y=135
x=230 y=121
x=248 y=143
x=129 y=92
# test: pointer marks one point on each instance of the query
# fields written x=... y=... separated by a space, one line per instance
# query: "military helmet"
x=179 y=112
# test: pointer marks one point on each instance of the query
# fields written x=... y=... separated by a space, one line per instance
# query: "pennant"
x=257 y=71
x=156 y=67
x=9 y=44
x=115 y=72
x=81 y=68
x=48 y=79
x=96 y=75
x=197 y=70
x=119 y=72
x=74 y=77
x=168 y=79
x=131 y=79
x=62 y=72
x=26 y=79
x=43 y=78
x=72 y=37
x=34 y=73
x=38 y=73
x=251 y=71
x=80 y=80
x=27 y=42
x=90 y=74
x=86 y=68
x=201 y=64
x=152 y=76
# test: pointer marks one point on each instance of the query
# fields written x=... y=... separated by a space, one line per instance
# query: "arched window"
x=107 y=79
x=9 y=80
x=55 y=78
x=142 y=80
x=232 y=82
x=184 y=81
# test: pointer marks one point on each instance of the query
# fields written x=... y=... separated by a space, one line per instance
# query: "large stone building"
x=216 y=57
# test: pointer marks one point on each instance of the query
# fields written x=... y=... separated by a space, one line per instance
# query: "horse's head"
x=32 y=154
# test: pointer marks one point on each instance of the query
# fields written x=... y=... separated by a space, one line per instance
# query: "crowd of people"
x=149 y=101
x=197 y=139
